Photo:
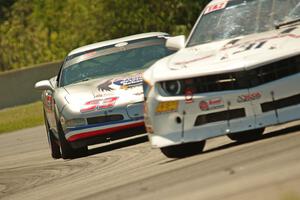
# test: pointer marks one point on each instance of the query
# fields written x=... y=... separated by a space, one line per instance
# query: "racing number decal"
x=254 y=45
x=215 y=7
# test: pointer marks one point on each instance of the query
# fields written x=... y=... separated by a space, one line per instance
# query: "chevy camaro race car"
x=237 y=73
x=97 y=95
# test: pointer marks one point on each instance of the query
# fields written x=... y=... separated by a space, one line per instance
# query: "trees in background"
x=37 y=31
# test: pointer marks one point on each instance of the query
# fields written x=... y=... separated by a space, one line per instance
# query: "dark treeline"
x=37 y=31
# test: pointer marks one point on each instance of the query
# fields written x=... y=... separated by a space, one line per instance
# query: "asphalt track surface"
x=265 y=169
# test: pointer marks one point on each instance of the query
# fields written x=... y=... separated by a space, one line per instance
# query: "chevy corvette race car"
x=237 y=73
x=97 y=95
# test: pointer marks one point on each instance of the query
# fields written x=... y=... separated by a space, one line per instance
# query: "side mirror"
x=43 y=85
x=175 y=43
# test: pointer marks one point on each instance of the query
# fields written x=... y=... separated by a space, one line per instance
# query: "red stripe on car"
x=103 y=131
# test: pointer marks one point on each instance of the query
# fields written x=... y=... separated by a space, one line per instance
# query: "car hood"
x=125 y=89
x=236 y=54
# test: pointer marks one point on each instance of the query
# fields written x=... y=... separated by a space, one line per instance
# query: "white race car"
x=97 y=95
x=237 y=73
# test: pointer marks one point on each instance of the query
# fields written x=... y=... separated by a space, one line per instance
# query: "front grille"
x=281 y=103
x=220 y=116
x=242 y=79
x=104 y=119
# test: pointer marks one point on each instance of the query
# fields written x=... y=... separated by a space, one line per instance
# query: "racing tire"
x=53 y=143
x=67 y=152
x=247 y=136
x=183 y=150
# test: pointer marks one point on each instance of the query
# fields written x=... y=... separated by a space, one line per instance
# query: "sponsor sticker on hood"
x=128 y=82
x=121 y=83
x=211 y=104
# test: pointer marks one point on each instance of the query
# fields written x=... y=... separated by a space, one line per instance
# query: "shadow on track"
x=116 y=145
x=268 y=135
x=144 y=138
x=281 y=132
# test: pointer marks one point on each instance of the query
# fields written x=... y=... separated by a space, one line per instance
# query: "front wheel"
x=53 y=142
x=183 y=150
x=247 y=136
x=67 y=152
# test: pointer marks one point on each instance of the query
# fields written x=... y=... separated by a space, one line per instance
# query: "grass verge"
x=16 y=118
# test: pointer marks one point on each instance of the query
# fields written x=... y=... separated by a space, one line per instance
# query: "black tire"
x=183 y=150
x=67 y=152
x=53 y=143
x=247 y=136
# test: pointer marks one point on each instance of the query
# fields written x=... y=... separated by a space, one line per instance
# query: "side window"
x=59 y=74
x=295 y=13
x=207 y=28
x=281 y=10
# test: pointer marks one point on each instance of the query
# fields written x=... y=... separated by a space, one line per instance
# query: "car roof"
x=116 y=41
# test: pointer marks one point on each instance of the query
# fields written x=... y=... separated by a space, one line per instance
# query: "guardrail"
x=17 y=87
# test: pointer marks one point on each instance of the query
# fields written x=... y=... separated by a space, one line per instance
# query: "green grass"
x=16 y=118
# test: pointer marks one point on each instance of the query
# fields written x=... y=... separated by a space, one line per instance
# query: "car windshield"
x=120 y=58
x=229 y=19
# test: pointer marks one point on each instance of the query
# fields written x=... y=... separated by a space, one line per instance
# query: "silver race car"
x=97 y=95
x=237 y=73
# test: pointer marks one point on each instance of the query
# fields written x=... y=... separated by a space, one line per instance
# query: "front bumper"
x=105 y=125
x=219 y=113
x=94 y=130
x=90 y=135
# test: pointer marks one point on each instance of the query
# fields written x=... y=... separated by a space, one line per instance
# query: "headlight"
x=75 y=122
x=172 y=88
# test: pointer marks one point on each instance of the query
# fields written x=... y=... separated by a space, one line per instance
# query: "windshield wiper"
x=277 y=26
x=83 y=80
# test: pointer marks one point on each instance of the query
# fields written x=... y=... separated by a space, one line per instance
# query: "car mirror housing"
x=43 y=85
x=176 y=43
